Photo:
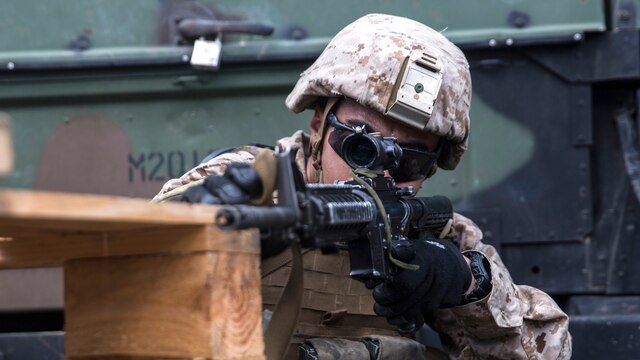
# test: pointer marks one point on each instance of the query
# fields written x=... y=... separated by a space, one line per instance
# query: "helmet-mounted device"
x=416 y=90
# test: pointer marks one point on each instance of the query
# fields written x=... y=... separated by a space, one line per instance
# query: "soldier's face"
x=349 y=111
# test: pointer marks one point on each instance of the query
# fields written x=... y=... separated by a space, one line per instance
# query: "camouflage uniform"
x=518 y=322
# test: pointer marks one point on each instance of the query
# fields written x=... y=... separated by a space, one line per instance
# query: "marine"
x=400 y=78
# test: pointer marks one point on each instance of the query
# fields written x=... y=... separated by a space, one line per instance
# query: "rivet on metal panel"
x=624 y=15
x=11 y=65
x=582 y=191
x=295 y=32
x=577 y=36
x=453 y=182
x=551 y=235
x=518 y=236
x=185 y=58
x=82 y=41
x=509 y=42
x=518 y=19
x=492 y=42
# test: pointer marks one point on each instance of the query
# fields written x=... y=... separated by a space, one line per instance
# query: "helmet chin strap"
x=318 y=139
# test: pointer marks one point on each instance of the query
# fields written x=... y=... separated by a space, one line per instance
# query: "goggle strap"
x=316 y=144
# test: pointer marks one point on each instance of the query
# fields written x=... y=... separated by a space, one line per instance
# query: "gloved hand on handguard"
x=441 y=280
x=239 y=183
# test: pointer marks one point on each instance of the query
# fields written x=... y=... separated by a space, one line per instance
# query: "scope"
x=376 y=153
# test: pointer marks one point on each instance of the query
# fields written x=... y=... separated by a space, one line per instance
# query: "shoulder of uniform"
x=467 y=233
x=299 y=145
x=299 y=140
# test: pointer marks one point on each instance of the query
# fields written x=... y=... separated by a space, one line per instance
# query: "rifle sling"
x=285 y=315
x=274 y=263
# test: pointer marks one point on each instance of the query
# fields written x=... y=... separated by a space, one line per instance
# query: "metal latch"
x=416 y=90
x=193 y=28
x=206 y=53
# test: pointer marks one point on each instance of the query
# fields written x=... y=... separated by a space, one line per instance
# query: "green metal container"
x=103 y=100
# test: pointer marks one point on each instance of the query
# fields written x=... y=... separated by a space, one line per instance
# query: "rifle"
x=366 y=214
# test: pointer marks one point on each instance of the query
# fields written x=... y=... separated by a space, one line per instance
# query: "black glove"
x=440 y=282
x=239 y=183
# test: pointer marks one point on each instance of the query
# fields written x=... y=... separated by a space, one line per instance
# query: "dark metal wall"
x=568 y=221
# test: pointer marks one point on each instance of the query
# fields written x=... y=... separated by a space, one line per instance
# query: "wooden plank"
x=51 y=210
x=53 y=248
x=204 y=305
x=6 y=147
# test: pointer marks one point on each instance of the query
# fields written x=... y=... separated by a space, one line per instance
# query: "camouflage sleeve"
x=215 y=166
x=513 y=321
x=297 y=142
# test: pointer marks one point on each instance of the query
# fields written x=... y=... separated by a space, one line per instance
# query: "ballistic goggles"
x=411 y=162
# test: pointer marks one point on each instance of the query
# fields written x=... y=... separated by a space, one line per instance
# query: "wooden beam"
x=46 y=229
x=142 y=280
x=53 y=248
x=204 y=306
x=6 y=147
x=80 y=212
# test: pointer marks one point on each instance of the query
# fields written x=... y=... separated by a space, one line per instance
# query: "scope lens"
x=359 y=151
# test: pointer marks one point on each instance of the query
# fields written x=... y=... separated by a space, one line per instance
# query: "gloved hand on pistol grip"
x=239 y=183
x=440 y=282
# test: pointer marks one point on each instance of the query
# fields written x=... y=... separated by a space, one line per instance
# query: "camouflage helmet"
x=375 y=61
